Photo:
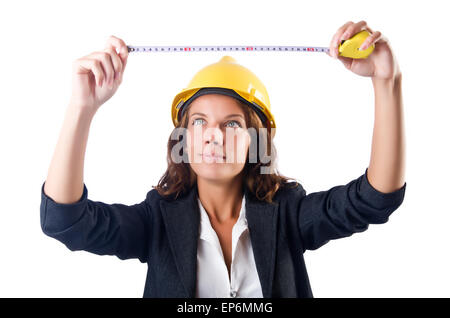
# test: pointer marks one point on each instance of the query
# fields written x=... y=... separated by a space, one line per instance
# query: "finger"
x=86 y=65
x=121 y=47
x=345 y=25
x=371 y=39
x=116 y=61
x=352 y=29
x=123 y=61
x=335 y=41
x=106 y=63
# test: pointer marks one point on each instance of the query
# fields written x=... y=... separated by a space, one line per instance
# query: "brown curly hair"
x=179 y=178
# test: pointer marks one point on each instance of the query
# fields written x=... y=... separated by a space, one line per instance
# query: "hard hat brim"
x=226 y=92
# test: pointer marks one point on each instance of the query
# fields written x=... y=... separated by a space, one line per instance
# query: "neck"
x=221 y=199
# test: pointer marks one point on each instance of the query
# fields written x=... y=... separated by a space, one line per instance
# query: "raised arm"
x=386 y=170
x=95 y=79
x=372 y=197
x=387 y=160
x=66 y=212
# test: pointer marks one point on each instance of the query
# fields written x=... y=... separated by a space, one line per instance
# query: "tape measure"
x=347 y=48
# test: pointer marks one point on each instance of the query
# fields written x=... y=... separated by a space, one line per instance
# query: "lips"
x=212 y=156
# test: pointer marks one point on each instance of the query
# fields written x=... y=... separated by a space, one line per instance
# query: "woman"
x=222 y=222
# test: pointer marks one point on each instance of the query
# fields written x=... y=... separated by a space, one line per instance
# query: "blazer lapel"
x=262 y=224
x=182 y=219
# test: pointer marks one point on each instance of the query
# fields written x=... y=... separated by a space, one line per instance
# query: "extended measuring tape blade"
x=347 y=48
x=224 y=48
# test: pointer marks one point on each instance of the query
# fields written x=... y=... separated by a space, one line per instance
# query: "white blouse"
x=212 y=273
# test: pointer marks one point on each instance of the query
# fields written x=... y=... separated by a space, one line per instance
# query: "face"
x=217 y=138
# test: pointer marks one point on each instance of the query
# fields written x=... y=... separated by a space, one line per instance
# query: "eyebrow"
x=232 y=115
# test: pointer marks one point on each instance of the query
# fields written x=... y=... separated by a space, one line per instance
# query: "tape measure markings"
x=347 y=48
x=225 y=48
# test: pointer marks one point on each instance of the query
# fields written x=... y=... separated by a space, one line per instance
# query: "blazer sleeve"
x=97 y=227
x=344 y=210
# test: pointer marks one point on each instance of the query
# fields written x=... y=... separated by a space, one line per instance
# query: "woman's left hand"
x=380 y=64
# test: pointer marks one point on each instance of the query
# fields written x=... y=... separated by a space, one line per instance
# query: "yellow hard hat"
x=226 y=77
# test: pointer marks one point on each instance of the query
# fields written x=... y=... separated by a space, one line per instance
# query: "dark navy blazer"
x=164 y=233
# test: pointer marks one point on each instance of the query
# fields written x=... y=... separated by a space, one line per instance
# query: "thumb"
x=124 y=56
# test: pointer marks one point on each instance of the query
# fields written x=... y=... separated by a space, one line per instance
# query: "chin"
x=215 y=172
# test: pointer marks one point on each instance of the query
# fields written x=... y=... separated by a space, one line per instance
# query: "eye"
x=236 y=122
x=195 y=120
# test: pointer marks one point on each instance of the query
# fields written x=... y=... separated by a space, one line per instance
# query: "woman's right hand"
x=97 y=76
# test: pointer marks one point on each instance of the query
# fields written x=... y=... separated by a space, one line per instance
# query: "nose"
x=214 y=136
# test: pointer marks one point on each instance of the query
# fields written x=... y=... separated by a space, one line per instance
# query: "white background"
x=324 y=117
